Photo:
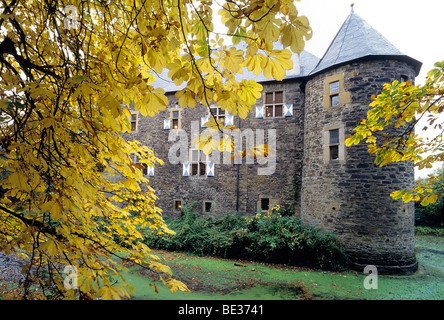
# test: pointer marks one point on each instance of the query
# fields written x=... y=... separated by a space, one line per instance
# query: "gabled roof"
x=355 y=40
x=303 y=64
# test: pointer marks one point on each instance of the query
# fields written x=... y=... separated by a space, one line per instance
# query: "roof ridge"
x=356 y=39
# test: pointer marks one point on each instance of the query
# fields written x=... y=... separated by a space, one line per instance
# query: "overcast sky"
x=414 y=27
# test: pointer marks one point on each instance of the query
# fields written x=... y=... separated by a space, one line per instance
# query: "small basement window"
x=265 y=204
x=178 y=205
x=207 y=206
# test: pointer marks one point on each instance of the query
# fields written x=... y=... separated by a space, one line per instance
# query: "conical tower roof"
x=356 y=40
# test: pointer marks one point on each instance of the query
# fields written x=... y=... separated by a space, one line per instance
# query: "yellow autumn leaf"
x=153 y=101
x=186 y=98
x=254 y=63
x=250 y=91
x=275 y=64
x=433 y=198
x=407 y=197
x=175 y=285
x=19 y=181
x=160 y=267
x=50 y=246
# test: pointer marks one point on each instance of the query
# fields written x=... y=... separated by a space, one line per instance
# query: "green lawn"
x=216 y=279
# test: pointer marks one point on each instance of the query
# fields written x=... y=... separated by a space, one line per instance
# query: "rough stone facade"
x=338 y=189
x=233 y=187
x=350 y=196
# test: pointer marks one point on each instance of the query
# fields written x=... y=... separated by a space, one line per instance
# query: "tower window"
x=334 y=87
x=334 y=93
x=334 y=144
x=274 y=102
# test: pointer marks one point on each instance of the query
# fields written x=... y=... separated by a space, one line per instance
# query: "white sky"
x=414 y=27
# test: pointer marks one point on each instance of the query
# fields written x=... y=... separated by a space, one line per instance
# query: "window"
x=208 y=205
x=218 y=113
x=265 y=204
x=334 y=144
x=133 y=121
x=404 y=78
x=142 y=166
x=175 y=120
x=274 y=102
x=197 y=163
x=334 y=91
x=334 y=94
x=178 y=205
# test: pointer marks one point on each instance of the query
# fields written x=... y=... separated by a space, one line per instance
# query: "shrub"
x=268 y=237
x=439 y=232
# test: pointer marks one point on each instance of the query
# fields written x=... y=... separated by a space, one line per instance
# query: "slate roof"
x=303 y=64
x=356 y=39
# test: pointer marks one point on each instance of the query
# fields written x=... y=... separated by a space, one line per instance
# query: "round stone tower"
x=343 y=191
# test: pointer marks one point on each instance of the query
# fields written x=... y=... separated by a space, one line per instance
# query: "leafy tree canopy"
x=389 y=130
x=70 y=194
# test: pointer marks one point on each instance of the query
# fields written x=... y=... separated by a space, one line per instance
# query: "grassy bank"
x=216 y=279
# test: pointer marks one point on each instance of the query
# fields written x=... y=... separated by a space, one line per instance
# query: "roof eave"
x=415 y=63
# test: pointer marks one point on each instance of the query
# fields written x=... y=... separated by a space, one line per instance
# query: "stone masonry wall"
x=350 y=196
x=221 y=189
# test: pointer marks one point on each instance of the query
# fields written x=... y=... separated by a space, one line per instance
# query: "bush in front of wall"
x=268 y=237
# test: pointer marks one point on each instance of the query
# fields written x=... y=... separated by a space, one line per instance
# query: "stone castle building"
x=307 y=117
